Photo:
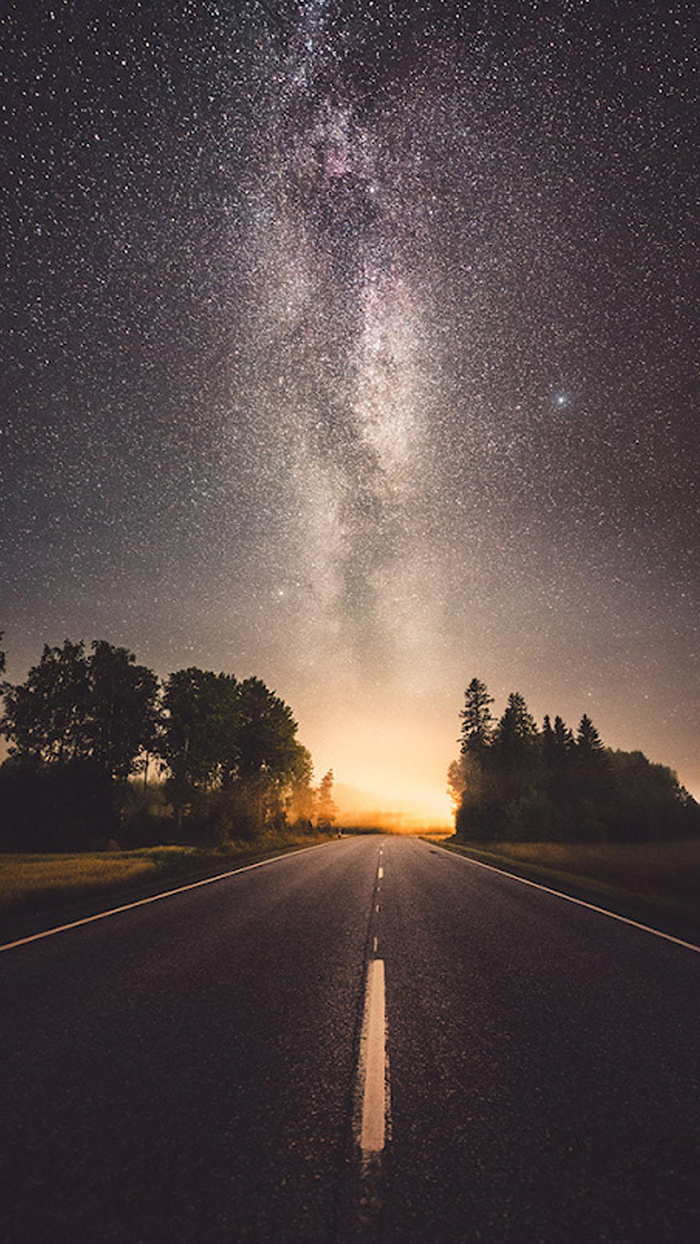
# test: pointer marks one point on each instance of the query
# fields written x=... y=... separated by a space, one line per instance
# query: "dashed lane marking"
x=372 y=1064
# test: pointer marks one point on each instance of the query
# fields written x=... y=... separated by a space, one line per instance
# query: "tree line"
x=516 y=782
x=87 y=727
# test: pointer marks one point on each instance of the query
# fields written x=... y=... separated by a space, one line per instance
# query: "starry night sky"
x=355 y=345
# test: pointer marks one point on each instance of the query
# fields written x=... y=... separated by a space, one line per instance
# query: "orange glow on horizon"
x=377 y=809
x=389 y=764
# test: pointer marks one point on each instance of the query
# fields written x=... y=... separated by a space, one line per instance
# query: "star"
x=315 y=311
x=561 y=398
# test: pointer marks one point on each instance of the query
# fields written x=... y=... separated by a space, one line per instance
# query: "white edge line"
x=154 y=898
x=603 y=911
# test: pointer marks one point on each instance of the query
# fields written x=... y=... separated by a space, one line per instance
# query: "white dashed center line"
x=372 y=1067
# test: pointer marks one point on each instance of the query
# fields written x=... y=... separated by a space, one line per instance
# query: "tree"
x=201 y=722
x=75 y=726
x=456 y=781
x=301 y=800
x=268 y=751
x=514 y=764
x=525 y=786
x=47 y=717
x=557 y=744
x=327 y=810
x=232 y=753
x=266 y=738
x=548 y=744
x=589 y=744
x=516 y=730
x=122 y=708
x=477 y=722
x=73 y=708
x=563 y=739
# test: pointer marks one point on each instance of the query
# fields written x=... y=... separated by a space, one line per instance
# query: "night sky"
x=355 y=345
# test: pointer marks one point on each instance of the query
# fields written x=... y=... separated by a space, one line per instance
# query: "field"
x=39 y=890
x=27 y=878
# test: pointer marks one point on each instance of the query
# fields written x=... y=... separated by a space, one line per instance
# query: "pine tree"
x=563 y=738
x=516 y=728
x=477 y=721
x=589 y=744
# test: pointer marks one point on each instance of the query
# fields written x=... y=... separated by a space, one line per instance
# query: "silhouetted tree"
x=122 y=710
x=523 y=785
x=588 y=742
x=47 y=717
x=268 y=751
x=516 y=731
x=477 y=722
x=646 y=801
x=327 y=810
x=75 y=728
x=80 y=725
x=563 y=740
x=199 y=742
x=267 y=732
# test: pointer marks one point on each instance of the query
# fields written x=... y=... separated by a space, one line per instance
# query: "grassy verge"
x=38 y=891
x=655 y=883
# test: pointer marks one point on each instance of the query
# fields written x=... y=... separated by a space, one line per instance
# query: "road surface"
x=371 y=1040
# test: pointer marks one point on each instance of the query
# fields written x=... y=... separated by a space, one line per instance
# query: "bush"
x=146 y=816
x=67 y=807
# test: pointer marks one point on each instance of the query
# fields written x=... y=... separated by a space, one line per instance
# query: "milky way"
x=355 y=345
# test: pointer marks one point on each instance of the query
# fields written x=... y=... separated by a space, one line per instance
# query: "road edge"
x=254 y=862
x=527 y=877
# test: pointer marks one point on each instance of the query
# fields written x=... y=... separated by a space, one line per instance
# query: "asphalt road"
x=188 y=1069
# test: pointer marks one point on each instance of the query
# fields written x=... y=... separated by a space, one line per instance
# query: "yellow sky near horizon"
x=402 y=814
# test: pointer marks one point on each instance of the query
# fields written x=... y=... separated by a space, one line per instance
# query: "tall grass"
x=24 y=878
x=661 y=870
x=42 y=881
x=657 y=883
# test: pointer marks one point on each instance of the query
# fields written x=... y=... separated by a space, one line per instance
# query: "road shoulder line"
x=154 y=898
x=602 y=911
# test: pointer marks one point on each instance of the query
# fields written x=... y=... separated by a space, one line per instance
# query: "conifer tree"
x=477 y=721
x=516 y=728
x=588 y=741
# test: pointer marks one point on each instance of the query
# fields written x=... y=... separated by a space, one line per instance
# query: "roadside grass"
x=24 y=878
x=37 y=890
x=657 y=883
